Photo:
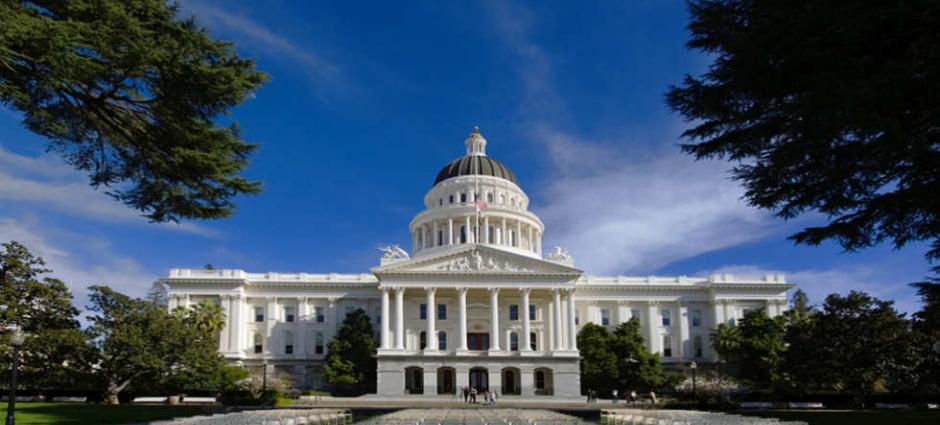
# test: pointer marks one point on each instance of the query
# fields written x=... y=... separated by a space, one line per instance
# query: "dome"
x=475 y=165
x=475 y=162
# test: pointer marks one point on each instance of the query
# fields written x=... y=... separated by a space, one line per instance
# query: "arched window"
x=318 y=343
x=513 y=341
x=533 y=341
x=451 y=199
x=513 y=202
x=502 y=199
x=489 y=197
x=492 y=235
x=422 y=340
x=259 y=343
x=697 y=346
x=539 y=380
x=463 y=234
x=288 y=342
x=440 y=201
x=288 y=314
x=442 y=340
x=440 y=237
x=463 y=197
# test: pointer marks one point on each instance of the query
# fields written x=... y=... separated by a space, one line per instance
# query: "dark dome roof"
x=479 y=165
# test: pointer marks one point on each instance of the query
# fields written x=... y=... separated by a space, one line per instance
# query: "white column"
x=486 y=229
x=526 y=341
x=728 y=307
x=434 y=236
x=652 y=327
x=622 y=312
x=538 y=243
x=556 y=320
x=237 y=325
x=683 y=329
x=502 y=236
x=572 y=332
x=414 y=242
x=186 y=300
x=468 y=232
x=432 y=316
x=386 y=330
x=518 y=234
x=494 y=319
x=462 y=319
x=450 y=231
x=225 y=334
x=271 y=317
x=531 y=246
x=399 y=318
x=300 y=347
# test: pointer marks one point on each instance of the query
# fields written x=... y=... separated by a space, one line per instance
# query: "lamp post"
x=694 y=367
x=16 y=340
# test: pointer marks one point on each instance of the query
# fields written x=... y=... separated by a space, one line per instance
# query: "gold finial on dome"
x=476 y=144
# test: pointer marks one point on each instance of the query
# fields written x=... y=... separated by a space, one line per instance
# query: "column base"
x=566 y=353
x=390 y=352
x=462 y=352
x=530 y=353
x=497 y=353
x=432 y=352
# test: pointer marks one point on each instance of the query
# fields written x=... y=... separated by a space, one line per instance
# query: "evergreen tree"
x=350 y=363
x=637 y=368
x=726 y=341
x=824 y=106
x=55 y=353
x=130 y=93
x=599 y=369
x=761 y=348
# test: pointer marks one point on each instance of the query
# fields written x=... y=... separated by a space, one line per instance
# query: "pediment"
x=476 y=259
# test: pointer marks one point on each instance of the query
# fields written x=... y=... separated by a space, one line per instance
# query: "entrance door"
x=509 y=381
x=479 y=379
x=478 y=341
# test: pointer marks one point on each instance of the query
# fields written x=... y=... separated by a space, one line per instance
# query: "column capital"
x=493 y=290
x=462 y=290
x=399 y=289
x=623 y=302
x=525 y=291
x=653 y=302
x=430 y=289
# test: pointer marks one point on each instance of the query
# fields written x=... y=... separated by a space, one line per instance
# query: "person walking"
x=633 y=397
x=466 y=394
x=473 y=395
x=614 y=398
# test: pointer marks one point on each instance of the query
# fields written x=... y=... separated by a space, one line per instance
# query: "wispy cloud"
x=47 y=183
x=97 y=264
x=620 y=212
x=840 y=280
x=269 y=42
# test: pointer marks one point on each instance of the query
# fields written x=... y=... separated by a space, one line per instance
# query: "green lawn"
x=84 y=413
x=879 y=417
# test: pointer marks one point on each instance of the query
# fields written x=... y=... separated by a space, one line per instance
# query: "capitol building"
x=477 y=301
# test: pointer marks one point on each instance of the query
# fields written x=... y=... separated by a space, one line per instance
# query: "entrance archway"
x=544 y=381
x=414 y=380
x=479 y=379
x=445 y=380
x=512 y=384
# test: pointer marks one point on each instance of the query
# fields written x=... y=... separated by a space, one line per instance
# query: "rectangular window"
x=289 y=314
x=423 y=341
x=696 y=317
x=513 y=341
x=451 y=199
x=513 y=312
x=318 y=344
x=318 y=311
x=533 y=341
x=259 y=314
x=697 y=346
x=605 y=317
x=531 y=311
x=423 y=312
x=288 y=349
x=442 y=341
x=258 y=348
x=667 y=346
x=442 y=312
x=635 y=314
x=463 y=197
x=666 y=316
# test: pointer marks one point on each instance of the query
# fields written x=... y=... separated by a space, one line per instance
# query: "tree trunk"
x=113 y=390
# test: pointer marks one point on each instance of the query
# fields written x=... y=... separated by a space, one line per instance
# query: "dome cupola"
x=475 y=162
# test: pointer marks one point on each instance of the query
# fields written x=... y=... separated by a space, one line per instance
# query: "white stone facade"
x=476 y=305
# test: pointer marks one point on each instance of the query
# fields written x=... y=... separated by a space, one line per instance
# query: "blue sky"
x=368 y=100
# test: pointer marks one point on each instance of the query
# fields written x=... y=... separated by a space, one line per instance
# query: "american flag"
x=481 y=204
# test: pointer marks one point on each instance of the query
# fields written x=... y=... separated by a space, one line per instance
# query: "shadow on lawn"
x=84 y=413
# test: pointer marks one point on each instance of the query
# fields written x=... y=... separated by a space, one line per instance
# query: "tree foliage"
x=129 y=93
x=824 y=106
x=55 y=353
x=618 y=360
x=350 y=363
x=137 y=340
x=761 y=348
